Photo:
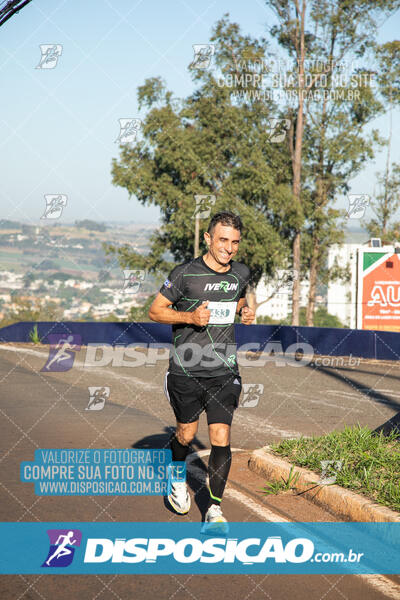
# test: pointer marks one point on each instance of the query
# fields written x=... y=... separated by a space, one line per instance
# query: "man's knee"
x=219 y=434
x=185 y=432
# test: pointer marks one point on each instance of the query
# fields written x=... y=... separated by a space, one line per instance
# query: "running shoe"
x=215 y=522
x=179 y=497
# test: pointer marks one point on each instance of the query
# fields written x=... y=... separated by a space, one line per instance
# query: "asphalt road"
x=48 y=410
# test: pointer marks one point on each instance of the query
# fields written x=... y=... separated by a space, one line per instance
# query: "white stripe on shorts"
x=166 y=388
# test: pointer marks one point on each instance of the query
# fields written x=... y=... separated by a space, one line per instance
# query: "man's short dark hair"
x=227 y=218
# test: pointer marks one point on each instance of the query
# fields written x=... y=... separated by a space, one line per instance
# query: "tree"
x=385 y=204
x=336 y=151
x=331 y=143
x=140 y=313
x=322 y=318
x=103 y=275
x=91 y=225
x=46 y=265
x=212 y=144
x=387 y=201
x=292 y=35
x=28 y=310
x=28 y=278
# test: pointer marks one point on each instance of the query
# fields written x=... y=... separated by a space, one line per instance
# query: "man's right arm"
x=161 y=312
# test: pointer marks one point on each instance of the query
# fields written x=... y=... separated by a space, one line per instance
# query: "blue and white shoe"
x=215 y=522
x=179 y=497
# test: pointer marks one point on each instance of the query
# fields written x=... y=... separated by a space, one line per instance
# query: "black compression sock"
x=179 y=451
x=219 y=464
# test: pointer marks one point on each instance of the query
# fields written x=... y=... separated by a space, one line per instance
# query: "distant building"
x=341 y=296
x=30 y=229
x=277 y=296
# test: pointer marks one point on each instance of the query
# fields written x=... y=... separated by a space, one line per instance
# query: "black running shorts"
x=189 y=396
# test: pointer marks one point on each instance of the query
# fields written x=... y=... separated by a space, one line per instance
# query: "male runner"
x=200 y=299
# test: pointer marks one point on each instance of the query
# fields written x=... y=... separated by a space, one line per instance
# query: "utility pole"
x=196 y=236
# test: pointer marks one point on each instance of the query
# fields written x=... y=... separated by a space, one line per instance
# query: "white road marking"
x=379 y=582
x=382 y=584
x=307 y=398
x=363 y=394
x=260 y=424
x=261 y=511
x=78 y=363
x=242 y=419
x=257 y=509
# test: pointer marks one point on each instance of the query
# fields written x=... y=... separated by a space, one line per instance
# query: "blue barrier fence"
x=382 y=345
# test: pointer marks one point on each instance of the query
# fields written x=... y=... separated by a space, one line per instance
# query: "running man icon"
x=61 y=548
x=61 y=551
x=62 y=352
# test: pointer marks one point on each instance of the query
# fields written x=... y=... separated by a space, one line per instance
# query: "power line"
x=10 y=8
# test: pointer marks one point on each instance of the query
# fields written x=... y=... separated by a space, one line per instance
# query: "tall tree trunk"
x=320 y=201
x=386 y=211
x=313 y=283
x=296 y=280
x=296 y=165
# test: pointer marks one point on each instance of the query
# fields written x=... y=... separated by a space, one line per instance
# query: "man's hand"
x=248 y=315
x=201 y=315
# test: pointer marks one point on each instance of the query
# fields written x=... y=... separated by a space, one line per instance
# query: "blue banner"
x=192 y=548
x=380 y=345
x=95 y=472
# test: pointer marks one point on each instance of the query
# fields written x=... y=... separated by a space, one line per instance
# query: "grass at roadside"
x=361 y=461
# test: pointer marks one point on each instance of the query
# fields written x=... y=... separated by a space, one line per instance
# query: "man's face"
x=223 y=244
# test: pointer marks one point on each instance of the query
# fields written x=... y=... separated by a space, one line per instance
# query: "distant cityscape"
x=64 y=269
x=61 y=272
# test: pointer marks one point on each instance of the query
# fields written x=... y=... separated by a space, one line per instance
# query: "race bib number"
x=222 y=313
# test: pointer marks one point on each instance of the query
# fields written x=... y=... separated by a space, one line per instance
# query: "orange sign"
x=380 y=290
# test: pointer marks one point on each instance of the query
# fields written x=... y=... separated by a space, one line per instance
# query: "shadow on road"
x=354 y=370
x=161 y=441
x=376 y=396
x=393 y=423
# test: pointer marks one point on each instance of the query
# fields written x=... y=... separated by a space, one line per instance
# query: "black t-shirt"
x=208 y=351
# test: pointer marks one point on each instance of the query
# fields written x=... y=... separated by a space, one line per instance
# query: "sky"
x=59 y=126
